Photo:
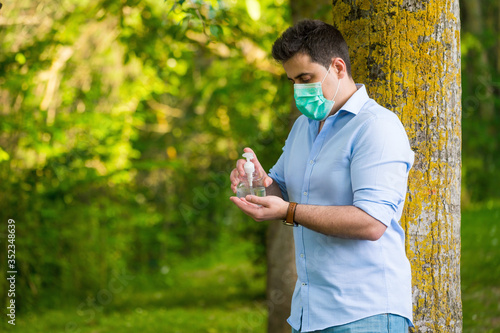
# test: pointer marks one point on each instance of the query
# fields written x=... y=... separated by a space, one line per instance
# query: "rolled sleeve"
x=381 y=160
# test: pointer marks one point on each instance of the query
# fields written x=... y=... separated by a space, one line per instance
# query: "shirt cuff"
x=380 y=211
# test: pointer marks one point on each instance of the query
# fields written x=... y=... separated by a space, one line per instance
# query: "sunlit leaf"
x=253 y=9
x=216 y=31
x=4 y=156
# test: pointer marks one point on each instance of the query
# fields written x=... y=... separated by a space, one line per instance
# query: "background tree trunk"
x=281 y=276
x=408 y=54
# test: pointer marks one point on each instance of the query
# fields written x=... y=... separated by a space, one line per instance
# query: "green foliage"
x=119 y=125
x=480 y=99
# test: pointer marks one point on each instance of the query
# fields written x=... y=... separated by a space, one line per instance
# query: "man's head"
x=320 y=41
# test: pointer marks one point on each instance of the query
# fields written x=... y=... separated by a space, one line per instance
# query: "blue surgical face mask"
x=310 y=100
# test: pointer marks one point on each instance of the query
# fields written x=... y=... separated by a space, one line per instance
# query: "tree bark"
x=408 y=54
x=281 y=276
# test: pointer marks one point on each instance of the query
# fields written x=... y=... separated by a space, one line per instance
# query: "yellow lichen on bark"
x=408 y=54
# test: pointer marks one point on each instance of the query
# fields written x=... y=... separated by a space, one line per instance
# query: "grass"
x=220 y=292
x=250 y=318
x=224 y=292
x=480 y=269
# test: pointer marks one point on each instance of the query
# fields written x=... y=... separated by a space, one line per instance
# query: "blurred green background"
x=119 y=124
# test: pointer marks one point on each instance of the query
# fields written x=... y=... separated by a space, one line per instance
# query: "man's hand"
x=262 y=208
x=240 y=171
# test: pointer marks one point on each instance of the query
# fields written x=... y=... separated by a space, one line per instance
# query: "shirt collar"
x=357 y=100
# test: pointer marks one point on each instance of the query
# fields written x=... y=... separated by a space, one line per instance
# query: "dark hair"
x=319 y=40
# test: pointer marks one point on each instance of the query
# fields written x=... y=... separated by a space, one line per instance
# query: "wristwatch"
x=290 y=215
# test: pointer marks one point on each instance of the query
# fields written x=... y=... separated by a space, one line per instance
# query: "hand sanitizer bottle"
x=252 y=183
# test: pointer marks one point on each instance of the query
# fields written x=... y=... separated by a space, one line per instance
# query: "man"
x=341 y=181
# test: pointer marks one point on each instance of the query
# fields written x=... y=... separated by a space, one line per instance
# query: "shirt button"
x=302 y=255
x=304 y=284
x=311 y=162
x=305 y=192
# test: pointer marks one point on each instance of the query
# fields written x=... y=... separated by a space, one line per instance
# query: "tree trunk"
x=281 y=276
x=408 y=54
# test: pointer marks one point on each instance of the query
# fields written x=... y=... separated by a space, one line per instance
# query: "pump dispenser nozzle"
x=249 y=166
x=249 y=170
x=253 y=183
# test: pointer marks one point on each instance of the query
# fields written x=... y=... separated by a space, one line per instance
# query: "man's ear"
x=339 y=67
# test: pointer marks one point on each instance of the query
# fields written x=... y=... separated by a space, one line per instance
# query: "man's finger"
x=258 y=167
x=234 y=177
x=246 y=206
x=239 y=166
x=262 y=201
x=255 y=160
x=250 y=204
x=268 y=181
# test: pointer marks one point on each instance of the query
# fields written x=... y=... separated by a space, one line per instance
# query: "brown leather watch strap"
x=290 y=215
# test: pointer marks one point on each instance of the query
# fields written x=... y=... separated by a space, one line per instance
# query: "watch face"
x=291 y=224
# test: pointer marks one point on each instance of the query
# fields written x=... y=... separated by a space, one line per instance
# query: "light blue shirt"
x=361 y=157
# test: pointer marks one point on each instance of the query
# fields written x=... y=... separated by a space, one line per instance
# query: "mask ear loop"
x=338 y=87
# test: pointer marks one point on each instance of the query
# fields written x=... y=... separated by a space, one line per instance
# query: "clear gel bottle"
x=252 y=183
